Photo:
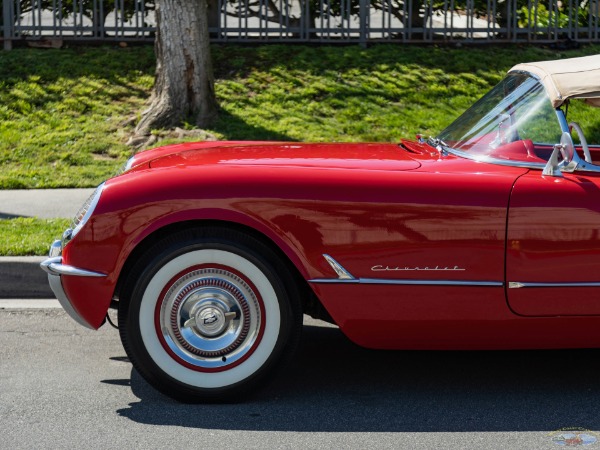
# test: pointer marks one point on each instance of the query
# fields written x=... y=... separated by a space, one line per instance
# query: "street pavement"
x=21 y=277
x=64 y=386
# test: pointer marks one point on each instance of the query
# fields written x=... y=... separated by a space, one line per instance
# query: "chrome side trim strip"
x=408 y=282
x=344 y=277
x=342 y=273
x=519 y=284
x=432 y=282
x=54 y=266
x=334 y=281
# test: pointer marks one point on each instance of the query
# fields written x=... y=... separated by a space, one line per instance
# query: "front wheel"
x=209 y=315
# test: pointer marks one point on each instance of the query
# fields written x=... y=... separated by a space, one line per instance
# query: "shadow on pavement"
x=335 y=386
x=10 y=216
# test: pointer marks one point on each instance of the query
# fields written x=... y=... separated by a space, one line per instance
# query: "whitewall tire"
x=206 y=316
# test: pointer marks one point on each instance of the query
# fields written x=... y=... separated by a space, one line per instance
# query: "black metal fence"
x=52 y=22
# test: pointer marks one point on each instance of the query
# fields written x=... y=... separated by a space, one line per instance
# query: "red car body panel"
x=382 y=211
x=554 y=237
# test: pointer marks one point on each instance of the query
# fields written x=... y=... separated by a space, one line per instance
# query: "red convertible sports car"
x=485 y=237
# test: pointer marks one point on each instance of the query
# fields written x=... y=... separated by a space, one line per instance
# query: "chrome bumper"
x=55 y=269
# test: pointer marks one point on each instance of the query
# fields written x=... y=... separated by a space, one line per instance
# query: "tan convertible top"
x=568 y=78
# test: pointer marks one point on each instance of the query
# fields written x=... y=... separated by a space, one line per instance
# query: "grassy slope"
x=61 y=113
x=29 y=236
x=351 y=94
x=65 y=114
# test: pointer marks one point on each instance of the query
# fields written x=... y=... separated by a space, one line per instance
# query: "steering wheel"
x=584 y=144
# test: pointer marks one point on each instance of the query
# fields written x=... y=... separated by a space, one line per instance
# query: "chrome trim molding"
x=345 y=277
x=492 y=160
x=54 y=266
x=562 y=120
x=433 y=282
x=84 y=213
x=128 y=165
x=408 y=282
x=519 y=284
x=342 y=273
x=333 y=281
x=55 y=249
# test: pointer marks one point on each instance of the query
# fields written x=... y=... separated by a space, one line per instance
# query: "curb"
x=21 y=277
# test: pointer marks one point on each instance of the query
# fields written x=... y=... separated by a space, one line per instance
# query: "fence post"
x=7 y=14
x=364 y=22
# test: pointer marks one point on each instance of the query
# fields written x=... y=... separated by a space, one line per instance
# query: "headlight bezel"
x=127 y=166
x=83 y=214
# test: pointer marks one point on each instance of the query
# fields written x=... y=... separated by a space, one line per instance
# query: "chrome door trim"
x=520 y=284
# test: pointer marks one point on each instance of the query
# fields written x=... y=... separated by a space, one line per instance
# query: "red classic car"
x=485 y=237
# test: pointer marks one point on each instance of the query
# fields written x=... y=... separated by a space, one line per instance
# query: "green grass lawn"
x=29 y=236
x=66 y=115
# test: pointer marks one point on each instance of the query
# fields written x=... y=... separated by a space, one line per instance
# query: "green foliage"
x=29 y=236
x=382 y=93
x=62 y=113
x=539 y=16
x=65 y=115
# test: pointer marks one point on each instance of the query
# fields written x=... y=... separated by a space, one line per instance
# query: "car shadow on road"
x=335 y=386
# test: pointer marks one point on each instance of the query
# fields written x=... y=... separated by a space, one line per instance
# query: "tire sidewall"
x=158 y=367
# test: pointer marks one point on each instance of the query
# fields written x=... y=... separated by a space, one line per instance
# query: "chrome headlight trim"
x=83 y=214
x=128 y=165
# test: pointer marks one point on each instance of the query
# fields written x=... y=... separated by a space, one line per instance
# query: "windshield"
x=516 y=111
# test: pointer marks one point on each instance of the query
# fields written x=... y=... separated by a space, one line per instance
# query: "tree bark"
x=184 y=84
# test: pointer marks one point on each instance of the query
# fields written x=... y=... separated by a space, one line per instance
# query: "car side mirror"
x=567 y=148
x=568 y=158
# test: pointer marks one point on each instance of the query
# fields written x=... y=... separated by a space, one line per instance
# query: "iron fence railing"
x=320 y=21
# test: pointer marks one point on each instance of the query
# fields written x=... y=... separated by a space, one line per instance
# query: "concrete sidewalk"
x=43 y=203
x=21 y=277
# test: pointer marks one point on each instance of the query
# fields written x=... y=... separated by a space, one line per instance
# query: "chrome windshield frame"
x=577 y=165
x=444 y=149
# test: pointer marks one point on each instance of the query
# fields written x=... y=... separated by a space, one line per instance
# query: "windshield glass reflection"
x=507 y=122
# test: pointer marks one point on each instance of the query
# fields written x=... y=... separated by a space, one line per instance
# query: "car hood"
x=373 y=156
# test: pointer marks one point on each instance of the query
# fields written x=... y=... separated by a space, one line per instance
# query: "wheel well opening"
x=311 y=305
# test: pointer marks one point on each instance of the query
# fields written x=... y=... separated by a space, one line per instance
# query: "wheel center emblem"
x=210 y=320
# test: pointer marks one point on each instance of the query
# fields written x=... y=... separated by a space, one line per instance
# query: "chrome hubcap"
x=210 y=318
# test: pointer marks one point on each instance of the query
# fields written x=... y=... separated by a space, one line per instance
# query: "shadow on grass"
x=236 y=129
x=231 y=61
x=46 y=73
x=335 y=386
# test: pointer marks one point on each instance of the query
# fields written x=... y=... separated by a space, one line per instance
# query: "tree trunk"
x=184 y=84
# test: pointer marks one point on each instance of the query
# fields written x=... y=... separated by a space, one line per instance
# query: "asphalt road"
x=63 y=386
